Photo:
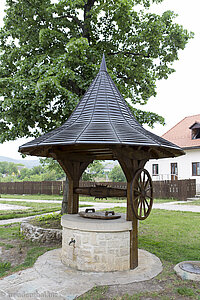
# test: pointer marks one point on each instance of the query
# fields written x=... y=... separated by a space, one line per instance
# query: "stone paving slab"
x=50 y=279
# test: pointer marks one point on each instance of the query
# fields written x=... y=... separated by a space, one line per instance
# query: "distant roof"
x=102 y=117
x=181 y=133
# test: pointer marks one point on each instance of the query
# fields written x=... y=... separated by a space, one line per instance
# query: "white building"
x=185 y=134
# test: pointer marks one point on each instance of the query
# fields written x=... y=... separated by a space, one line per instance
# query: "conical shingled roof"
x=102 y=117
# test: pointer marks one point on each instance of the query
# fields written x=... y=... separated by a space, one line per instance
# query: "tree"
x=50 y=53
x=8 y=168
x=50 y=165
x=116 y=174
x=94 y=170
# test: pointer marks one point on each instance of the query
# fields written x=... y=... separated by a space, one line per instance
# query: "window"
x=174 y=171
x=195 y=131
x=196 y=169
x=155 y=169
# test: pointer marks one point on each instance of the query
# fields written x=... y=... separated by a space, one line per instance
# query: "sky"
x=178 y=96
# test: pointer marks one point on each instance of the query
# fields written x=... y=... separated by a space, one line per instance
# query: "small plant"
x=53 y=216
x=185 y=291
x=4 y=266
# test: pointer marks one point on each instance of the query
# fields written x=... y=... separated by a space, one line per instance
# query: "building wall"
x=184 y=164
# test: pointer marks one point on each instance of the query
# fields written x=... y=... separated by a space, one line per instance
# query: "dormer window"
x=195 y=128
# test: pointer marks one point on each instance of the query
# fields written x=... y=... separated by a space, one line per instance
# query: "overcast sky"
x=178 y=96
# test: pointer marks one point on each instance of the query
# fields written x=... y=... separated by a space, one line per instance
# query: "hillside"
x=28 y=163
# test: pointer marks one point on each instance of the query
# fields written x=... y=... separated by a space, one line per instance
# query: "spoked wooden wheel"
x=141 y=194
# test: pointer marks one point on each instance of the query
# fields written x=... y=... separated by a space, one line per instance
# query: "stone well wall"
x=96 y=245
x=42 y=235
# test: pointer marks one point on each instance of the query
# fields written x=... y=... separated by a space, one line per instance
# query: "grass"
x=82 y=198
x=48 y=221
x=173 y=237
x=57 y=197
x=33 y=197
x=35 y=209
x=195 y=202
x=10 y=238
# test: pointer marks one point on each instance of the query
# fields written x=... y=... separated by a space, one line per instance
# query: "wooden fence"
x=178 y=189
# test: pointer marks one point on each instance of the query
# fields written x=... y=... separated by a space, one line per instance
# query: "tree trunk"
x=65 y=197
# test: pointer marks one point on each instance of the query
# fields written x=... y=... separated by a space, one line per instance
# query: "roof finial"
x=103 y=64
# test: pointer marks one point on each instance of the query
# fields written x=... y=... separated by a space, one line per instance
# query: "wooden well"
x=102 y=127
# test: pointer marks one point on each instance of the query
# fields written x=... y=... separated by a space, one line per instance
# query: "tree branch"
x=129 y=53
x=72 y=17
x=87 y=16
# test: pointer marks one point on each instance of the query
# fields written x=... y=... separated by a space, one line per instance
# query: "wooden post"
x=65 y=197
x=134 y=232
x=73 y=170
x=130 y=167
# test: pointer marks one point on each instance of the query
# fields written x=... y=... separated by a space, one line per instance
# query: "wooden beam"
x=74 y=170
x=100 y=191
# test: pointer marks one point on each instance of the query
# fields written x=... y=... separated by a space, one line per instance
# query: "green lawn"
x=82 y=198
x=172 y=236
x=34 y=209
x=195 y=202
x=32 y=197
x=10 y=238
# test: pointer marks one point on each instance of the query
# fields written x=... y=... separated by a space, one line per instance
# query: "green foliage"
x=50 y=53
x=185 y=291
x=49 y=170
x=4 y=266
x=50 y=165
x=8 y=168
x=116 y=174
x=94 y=170
x=53 y=216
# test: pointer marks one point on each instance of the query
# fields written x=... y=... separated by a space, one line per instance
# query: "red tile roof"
x=181 y=135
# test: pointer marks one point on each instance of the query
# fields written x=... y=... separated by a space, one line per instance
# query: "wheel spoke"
x=143 y=178
x=136 y=199
x=146 y=183
x=144 y=208
x=140 y=209
x=148 y=189
x=139 y=202
x=146 y=203
x=150 y=197
x=136 y=191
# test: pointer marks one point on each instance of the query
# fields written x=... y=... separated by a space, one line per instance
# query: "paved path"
x=175 y=206
x=29 y=200
x=12 y=207
x=50 y=279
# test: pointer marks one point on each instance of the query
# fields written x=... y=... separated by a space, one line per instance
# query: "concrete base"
x=49 y=277
x=186 y=275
